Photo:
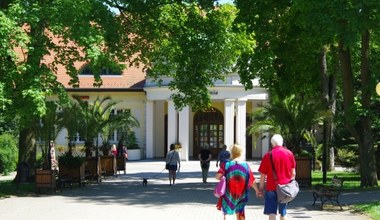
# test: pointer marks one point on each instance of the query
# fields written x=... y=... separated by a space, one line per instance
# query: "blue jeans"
x=271 y=204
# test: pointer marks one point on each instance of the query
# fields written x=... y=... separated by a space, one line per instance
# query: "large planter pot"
x=120 y=163
x=134 y=154
x=93 y=168
x=75 y=173
x=108 y=165
x=303 y=171
x=46 y=179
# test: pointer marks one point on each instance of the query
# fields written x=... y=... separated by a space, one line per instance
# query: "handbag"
x=167 y=166
x=285 y=192
x=220 y=188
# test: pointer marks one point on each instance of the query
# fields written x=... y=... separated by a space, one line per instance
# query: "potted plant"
x=73 y=167
x=292 y=117
x=134 y=152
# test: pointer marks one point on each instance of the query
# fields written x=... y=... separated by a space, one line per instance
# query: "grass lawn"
x=7 y=189
x=351 y=180
x=370 y=209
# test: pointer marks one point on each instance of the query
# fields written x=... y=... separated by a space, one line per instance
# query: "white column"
x=241 y=110
x=184 y=132
x=149 y=129
x=229 y=111
x=172 y=124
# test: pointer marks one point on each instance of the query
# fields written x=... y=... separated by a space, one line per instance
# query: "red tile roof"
x=131 y=78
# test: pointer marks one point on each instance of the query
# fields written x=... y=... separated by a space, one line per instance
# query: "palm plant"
x=46 y=130
x=93 y=117
x=292 y=117
x=125 y=123
x=69 y=120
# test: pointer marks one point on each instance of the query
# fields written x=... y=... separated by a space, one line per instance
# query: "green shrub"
x=8 y=153
x=347 y=157
x=71 y=161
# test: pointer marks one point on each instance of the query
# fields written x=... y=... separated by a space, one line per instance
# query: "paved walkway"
x=124 y=197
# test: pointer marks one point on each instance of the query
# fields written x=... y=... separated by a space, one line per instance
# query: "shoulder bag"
x=285 y=192
x=167 y=166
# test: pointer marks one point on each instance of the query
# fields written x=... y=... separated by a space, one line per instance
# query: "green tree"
x=314 y=29
x=86 y=31
x=187 y=33
x=190 y=41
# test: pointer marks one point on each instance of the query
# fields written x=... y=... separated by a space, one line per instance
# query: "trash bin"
x=23 y=172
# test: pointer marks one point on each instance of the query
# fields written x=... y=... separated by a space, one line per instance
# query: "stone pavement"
x=124 y=197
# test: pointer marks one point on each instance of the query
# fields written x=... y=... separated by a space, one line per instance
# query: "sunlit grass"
x=351 y=180
x=371 y=209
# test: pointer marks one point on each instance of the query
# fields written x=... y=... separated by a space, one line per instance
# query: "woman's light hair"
x=277 y=140
x=236 y=151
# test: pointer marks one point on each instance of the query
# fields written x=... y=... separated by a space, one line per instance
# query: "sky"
x=225 y=1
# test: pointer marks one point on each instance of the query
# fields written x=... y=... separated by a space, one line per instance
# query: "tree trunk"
x=361 y=128
x=367 y=149
x=328 y=85
x=332 y=107
x=324 y=85
x=27 y=150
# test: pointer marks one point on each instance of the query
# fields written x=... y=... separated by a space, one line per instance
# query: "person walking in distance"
x=173 y=159
x=205 y=157
x=284 y=165
x=223 y=156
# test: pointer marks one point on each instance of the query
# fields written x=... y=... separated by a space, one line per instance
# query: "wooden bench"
x=329 y=193
x=63 y=181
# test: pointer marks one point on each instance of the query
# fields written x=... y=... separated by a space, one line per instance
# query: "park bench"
x=63 y=181
x=329 y=193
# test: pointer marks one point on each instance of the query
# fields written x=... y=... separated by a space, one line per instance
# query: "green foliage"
x=183 y=39
x=348 y=157
x=291 y=36
x=292 y=117
x=131 y=141
x=8 y=153
x=70 y=161
x=92 y=118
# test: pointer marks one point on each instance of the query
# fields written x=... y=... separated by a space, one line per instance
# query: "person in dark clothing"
x=205 y=157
